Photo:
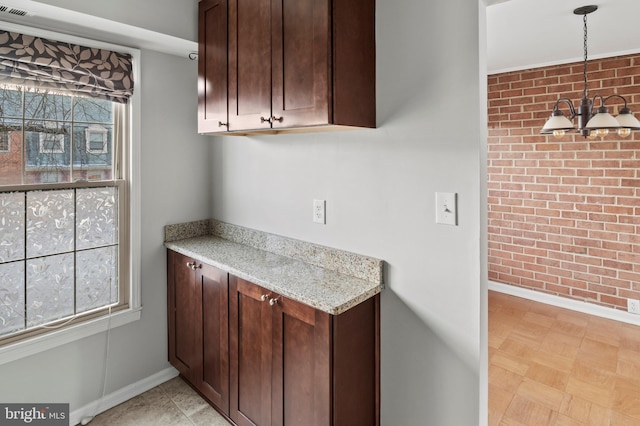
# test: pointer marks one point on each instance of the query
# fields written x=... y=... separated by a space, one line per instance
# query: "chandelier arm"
x=593 y=103
x=615 y=95
x=569 y=102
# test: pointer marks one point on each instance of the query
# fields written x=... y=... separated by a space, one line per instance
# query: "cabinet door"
x=300 y=61
x=212 y=66
x=249 y=64
x=301 y=366
x=181 y=292
x=212 y=341
x=250 y=350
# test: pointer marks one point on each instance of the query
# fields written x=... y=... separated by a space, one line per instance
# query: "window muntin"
x=61 y=256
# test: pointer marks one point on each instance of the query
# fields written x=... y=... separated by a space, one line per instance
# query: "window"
x=65 y=206
x=51 y=143
x=4 y=142
x=96 y=137
x=60 y=245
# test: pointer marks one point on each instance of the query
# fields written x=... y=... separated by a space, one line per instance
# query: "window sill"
x=63 y=336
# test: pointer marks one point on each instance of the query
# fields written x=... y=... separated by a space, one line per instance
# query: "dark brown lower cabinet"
x=199 y=326
x=262 y=359
x=292 y=364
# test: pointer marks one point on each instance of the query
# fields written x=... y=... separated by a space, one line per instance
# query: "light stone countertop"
x=326 y=289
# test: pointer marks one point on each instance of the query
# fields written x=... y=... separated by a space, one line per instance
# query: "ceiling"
x=525 y=34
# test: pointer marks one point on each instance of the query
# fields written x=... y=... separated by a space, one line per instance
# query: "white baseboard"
x=563 y=302
x=122 y=395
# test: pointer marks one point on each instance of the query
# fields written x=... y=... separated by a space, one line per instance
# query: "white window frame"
x=57 y=139
x=96 y=129
x=43 y=342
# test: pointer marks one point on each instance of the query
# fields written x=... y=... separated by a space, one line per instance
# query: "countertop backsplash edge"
x=352 y=264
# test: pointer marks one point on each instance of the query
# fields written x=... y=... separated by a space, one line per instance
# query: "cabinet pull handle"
x=273 y=301
x=264 y=297
x=279 y=119
x=221 y=124
x=265 y=120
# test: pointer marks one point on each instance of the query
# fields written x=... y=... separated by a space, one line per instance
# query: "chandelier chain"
x=584 y=19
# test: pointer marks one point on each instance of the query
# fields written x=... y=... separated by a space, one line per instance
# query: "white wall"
x=174 y=189
x=175 y=18
x=379 y=186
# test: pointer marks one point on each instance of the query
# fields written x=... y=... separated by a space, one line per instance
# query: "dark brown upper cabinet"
x=268 y=66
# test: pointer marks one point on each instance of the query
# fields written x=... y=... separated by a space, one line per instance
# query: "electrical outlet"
x=633 y=306
x=319 y=208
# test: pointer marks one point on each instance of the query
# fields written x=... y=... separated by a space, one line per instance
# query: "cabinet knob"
x=265 y=120
x=264 y=297
x=193 y=265
x=273 y=301
x=274 y=118
x=221 y=124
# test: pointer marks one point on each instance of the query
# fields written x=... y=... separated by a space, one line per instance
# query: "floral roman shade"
x=83 y=70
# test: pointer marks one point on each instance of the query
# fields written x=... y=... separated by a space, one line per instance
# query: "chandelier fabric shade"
x=591 y=123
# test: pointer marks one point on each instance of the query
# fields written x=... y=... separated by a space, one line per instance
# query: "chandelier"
x=591 y=123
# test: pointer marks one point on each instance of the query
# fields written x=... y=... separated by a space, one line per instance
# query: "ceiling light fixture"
x=591 y=123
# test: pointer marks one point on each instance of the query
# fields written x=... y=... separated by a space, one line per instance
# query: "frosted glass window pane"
x=97 y=278
x=97 y=217
x=49 y=288
x=11 y=297
x=11 y=226
x=50 y=222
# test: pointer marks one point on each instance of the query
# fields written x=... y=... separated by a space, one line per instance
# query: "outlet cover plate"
x=319 y=210
x=633 y=306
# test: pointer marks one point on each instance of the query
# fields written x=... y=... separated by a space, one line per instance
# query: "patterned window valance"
x=46 y=63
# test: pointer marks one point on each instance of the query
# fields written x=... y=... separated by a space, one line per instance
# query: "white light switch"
x=447 y=208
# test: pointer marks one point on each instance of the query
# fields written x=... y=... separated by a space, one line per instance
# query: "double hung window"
x=64 y=184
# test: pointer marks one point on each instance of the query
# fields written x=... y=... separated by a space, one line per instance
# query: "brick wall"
x=564 y=214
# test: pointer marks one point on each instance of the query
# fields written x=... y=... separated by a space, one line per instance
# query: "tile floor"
x=172 y=403
x=555 y=367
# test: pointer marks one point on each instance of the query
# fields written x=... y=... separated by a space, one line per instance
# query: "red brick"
x=602 y=272
x=615 y=301
x=602 y=289
x=612 y=282
x=582 y=294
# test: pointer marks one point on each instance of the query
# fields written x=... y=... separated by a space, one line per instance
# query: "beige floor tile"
x=185 y=398
x=207 y=416
x=152 y=408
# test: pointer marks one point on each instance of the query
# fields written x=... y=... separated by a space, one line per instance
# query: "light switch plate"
x=447 y=208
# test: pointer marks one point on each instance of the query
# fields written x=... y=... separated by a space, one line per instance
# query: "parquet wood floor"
x=550 y=366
